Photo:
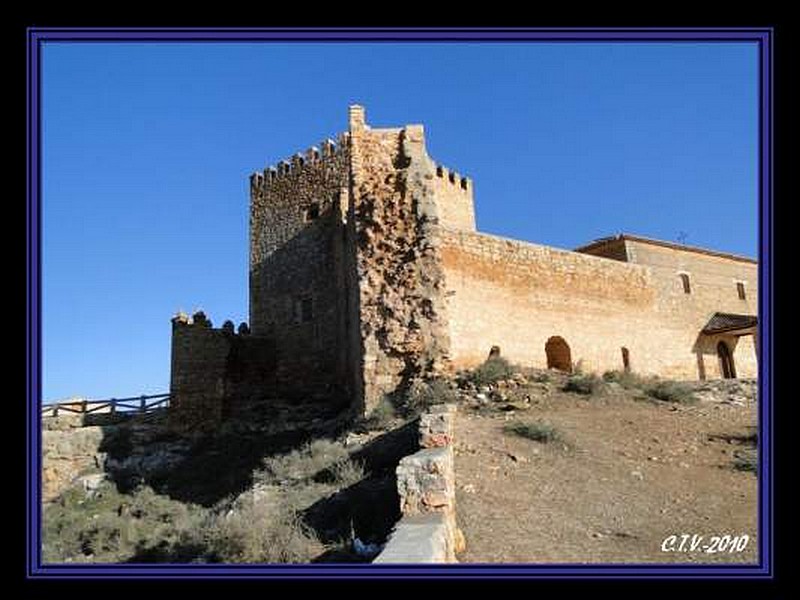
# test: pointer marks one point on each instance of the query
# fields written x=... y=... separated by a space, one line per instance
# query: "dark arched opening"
x=626 y=360
x=558 y=354
x=727 y=367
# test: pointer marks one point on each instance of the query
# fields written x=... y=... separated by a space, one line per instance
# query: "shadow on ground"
x=202 y=471
x=370 y=508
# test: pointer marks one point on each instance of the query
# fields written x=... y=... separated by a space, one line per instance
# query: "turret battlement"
x=456 y=180
x=199 y=320
x=315 y=157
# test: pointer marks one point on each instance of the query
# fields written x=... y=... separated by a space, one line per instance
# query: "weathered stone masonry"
x=297 y=268
x=215 y=373
x=401 y=286
x=366 y=271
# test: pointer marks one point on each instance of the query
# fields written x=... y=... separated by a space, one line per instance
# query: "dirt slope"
x=631 y=473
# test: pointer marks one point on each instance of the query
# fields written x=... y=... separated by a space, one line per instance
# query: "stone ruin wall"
x=298 y=253
x=216 y=372
x=403 y=326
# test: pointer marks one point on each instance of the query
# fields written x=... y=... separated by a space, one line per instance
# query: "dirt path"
x=631 y=474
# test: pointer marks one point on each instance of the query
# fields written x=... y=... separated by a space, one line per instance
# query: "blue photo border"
x=37 y=36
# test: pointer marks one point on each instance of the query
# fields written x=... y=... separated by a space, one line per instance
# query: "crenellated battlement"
x=453 y=177
x=315 y=157
x=199 y=320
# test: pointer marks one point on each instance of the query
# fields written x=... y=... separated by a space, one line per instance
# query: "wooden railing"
x=127 y=406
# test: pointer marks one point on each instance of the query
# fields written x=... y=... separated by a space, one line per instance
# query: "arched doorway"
x=558 y=354
x=626 y=360
x=726 y=367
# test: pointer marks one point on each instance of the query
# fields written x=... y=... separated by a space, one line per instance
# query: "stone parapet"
x=427 y=531
x=418 y=539
x=436 y=426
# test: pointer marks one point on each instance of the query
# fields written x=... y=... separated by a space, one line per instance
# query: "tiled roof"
x=727 y=322
x=666 y=244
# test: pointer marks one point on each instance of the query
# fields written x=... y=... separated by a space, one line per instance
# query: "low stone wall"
x=427 y=531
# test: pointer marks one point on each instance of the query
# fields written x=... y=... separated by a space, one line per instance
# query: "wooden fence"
x=127 y=406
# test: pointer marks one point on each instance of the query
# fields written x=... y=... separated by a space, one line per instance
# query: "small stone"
x=637 y=475
x=460 y=541
x=92 y=483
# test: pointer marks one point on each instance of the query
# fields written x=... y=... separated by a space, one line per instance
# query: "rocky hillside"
x=285 y=485
x=260 y=489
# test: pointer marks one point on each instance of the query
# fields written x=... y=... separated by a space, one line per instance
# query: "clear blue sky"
x=148 y=148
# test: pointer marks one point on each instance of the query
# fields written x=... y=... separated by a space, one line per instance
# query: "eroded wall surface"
x=403 y=328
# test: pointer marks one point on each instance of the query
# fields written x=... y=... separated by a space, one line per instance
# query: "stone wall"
x=298 y=262
x=366 y=272
x=216 y=372
x=400 y=281
x=518 y=296
x=133 y=449
x=427 y=531
x=454 y=201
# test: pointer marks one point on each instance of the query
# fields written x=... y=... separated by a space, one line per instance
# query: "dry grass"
x=491 y=371
x=746 y=460
x=382 y=416
x=424 y=394
x=671 y=391
x=583 y=384
x=112 y=527
x=257 y=532
x=262 y=525
x=347 y=472
x=539 y=431
x=301 y=464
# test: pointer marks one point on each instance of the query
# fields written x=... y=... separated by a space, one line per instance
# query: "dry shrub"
x=539 y=431
x=424 y=394
x=583 y=384
x=258 y=533
x=303 y=463
x=491 y=371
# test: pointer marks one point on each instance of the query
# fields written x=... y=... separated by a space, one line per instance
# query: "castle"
x=366 y=271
